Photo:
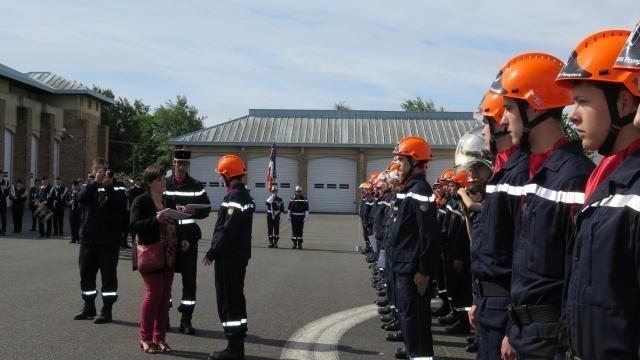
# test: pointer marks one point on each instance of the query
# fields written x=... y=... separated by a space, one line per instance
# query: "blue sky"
x=229 y=56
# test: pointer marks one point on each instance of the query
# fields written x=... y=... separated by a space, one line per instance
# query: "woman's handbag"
x=150 y=258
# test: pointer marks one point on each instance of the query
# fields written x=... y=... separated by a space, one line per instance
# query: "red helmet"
x=231 y=166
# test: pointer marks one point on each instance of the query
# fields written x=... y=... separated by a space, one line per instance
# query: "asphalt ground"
x=285 y=289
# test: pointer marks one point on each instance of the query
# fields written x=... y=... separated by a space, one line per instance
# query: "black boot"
x=234 y=350
x=271 y=246
x=275 y=241
x=299 y=244
x=88 y=309
x=105 y=314
x=401 y=353
x=185 y=321
x=295 y=244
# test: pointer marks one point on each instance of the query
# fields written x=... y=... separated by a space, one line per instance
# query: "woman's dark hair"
x=152 y=173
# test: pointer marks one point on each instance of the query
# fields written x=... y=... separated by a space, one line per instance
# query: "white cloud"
x=229 y=56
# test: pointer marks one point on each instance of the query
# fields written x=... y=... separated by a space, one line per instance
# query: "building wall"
x=71 y=120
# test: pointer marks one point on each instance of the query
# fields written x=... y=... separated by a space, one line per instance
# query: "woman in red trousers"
x=151 y=227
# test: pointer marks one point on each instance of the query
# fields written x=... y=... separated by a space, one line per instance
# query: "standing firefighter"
x=99 y=242
x=558 y=171
x=231 y=250
x=184 y=191
x=275 y=207
x=604 y=288
x=415 y=248
x=298 y=214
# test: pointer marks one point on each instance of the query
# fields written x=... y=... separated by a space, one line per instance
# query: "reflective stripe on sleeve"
x=186 y=221
x=237 y=206
x=110 y=294
x=187 y=302
x=618 y=201
x=184 y=193
x=92 y=292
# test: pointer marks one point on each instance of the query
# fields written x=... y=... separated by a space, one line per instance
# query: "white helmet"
x=298 y=188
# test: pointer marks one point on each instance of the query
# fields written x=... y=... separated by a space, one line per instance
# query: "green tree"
x=124 y=130
x=420 y=105
x=172 y=119
x=341 y=105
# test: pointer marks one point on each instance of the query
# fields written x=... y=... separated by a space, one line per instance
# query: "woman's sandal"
x=164 y=347
x=148 y=347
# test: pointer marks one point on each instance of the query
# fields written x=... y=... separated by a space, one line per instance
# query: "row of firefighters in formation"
x=544 y=249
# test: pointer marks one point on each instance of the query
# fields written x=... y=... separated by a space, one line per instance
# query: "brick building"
x=49 y=126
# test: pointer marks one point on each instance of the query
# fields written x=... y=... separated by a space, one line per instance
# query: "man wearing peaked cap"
x=558 y=170
x=603 y=293
x=185 y=191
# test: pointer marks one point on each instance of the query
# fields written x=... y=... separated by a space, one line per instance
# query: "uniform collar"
x=412 y=180
x=623 y=177
x=560 y=156
x=516 y=158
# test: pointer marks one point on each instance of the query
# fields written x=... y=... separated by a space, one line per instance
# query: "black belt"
x=489 y=289
x=527 y=315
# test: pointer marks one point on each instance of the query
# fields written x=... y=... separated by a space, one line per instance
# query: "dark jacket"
x=232 y=232
x=43 y=195
x=57 y=197
x=133 y=193
x=102 y=215
x=33 y=197
x=298 y=205
x=189 y=191
x=604 y=290
x=540 y=253
x=492 y=253
x=275 y=207
x=415 y=242
x=143 y=221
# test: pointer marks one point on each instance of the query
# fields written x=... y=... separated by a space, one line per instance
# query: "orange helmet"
x=415 y=147
x=629 y=58
x=593 y=60
x=531 y=77
x=462 y=178
x=447 y=175
x=492 y=105
x=231 y=166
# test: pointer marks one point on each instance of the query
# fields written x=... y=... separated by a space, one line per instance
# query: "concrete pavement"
x=286 y=290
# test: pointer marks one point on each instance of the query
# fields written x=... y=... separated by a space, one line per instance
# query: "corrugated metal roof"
x=334 y=128
x=51 y=83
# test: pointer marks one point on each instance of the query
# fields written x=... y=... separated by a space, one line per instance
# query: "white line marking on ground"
x=319 y=339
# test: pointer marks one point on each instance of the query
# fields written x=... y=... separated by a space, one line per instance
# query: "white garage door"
x=436 y=168
x=287 y=172
x=331 y=185
x=377 y=165
x=203 y=170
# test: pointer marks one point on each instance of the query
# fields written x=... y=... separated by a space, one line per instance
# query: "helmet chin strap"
x=527 y=124
x=611 y=94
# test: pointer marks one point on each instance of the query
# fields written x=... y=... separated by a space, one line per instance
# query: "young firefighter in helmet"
x=602 y=306
x=414 y=247
x=231 y=250
x=492 y=251
x=558 y=171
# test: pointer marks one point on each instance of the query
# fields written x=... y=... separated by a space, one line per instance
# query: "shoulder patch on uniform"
x=230 y=211
x=424 y=207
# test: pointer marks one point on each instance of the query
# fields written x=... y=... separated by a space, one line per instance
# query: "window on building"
x=214 y=184
x=56 y=159
x=318 y=186
x=331 y=186
x=285 y=185
x=260 y=185
x=344 y=186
